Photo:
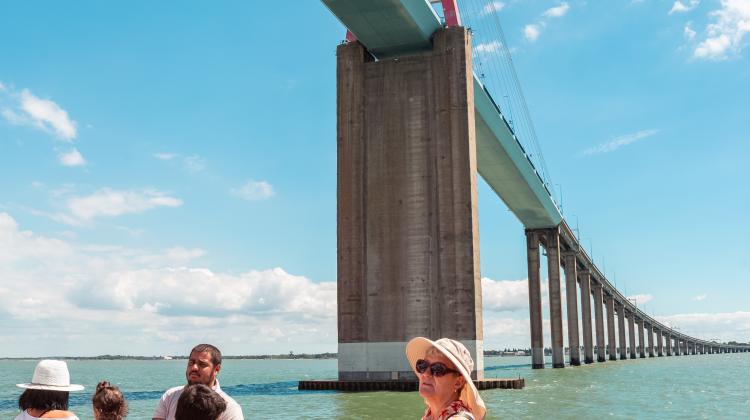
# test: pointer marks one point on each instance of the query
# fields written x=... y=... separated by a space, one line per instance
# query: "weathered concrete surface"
x=551 y=242
x=621 y=330
x=659 y=343
x=535 y=300
x=631 y=332
x=408 y=246
x=641 y=343
x=599 y=318
x=571 y=296
x=611 y=346
x=650 y=332
x=588 y=345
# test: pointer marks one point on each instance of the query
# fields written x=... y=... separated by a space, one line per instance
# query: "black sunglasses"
x=437 y=369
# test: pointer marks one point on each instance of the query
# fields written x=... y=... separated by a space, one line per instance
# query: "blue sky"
x=168 y=173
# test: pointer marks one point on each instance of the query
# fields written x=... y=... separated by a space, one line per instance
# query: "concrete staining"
x=408 y=245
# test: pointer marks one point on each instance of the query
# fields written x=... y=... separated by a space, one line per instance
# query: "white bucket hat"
x=51 y=375
x=459 y=355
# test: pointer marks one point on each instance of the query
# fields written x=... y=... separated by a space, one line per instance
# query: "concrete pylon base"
x=403 y=386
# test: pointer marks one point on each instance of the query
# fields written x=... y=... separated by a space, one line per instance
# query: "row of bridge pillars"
x=558 y=254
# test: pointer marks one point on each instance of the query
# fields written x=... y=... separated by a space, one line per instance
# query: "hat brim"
x=66 y=388
x=417 y=347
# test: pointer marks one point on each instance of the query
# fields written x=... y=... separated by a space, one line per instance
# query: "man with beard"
x=203 y=366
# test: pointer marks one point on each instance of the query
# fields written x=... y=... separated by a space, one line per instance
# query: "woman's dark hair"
x=109 y=403
x=43 y=399
x=199 y=402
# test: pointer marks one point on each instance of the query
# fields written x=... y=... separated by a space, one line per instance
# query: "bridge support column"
x=641 y=343
x=668 y=339
x=650 y=332
x=631 y=333
x=677 y=347
x=611 y=346
x=599 y=317
x=535 y=301
x=571 y=295
x=551 y=242
x=660 y=343
x=588 y=345
x=407 y=228
x=621 y=330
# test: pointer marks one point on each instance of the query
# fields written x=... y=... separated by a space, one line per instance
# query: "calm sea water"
x=693 y=387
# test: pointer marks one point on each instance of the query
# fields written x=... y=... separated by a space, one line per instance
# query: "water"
x=693 y=387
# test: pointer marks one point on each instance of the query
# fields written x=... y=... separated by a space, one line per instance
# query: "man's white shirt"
x=168 y=404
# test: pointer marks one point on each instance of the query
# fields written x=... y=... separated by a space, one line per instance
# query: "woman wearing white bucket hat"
x=444 y=371
x=46 y=396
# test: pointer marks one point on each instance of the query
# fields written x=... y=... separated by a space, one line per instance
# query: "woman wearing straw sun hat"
x=46 y=396
x=444 y=371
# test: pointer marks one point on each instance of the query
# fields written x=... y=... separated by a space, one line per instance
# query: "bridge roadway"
x=390 y=29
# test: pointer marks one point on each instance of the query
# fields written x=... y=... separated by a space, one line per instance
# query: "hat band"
x=51 y=385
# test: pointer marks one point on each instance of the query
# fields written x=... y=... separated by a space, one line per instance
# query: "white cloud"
x=689 y=32
x=194 y=163
x=641 y=299
x=725 y=36
x=103 y=299
x=558 y=11
x=112 y=203
x=492 y=7
x=72 y=158
x=699 y=298
x=726 y=326
x=620 y=142
x=253 y=191
x=45 y=115
x=165 y=156
x=488 y=47
x=680 y=7
x=2 y=87
x=531 y=32
x=505 y=295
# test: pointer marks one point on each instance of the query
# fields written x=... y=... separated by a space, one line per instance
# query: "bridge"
x=415 y=125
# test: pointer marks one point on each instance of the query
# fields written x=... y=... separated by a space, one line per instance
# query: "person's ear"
x=459 y=383
x=218 y=368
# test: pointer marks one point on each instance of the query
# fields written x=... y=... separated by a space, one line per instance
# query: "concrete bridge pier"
x=407 y=227
x=650 y=331
x=571 y=295
x=659 y=343
x=631 y=331
x=610 y=303
x=551 y=242
x=535 y=300
x=599 y=316
x=641 y=344
x=668 y=339
x=621 y=330
x=588 y=346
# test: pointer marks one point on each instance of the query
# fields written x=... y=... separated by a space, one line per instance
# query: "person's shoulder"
x=174 y=390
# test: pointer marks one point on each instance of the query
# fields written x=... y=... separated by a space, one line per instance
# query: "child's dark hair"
x=199 y=402
x=109 y=403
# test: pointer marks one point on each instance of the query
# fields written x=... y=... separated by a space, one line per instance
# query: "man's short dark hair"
x=43 y=399
x=199 y=402
x=215 y=353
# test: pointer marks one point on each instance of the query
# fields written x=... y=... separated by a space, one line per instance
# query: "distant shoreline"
x=184 y=357
x=290 y=356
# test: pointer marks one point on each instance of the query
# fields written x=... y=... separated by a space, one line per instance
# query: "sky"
x=168 y=174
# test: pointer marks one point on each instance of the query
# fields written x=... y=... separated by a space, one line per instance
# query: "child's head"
x=109 y=403
x=199 y=402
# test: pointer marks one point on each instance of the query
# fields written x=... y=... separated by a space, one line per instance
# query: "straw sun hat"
x=459 y=355
x=51 y=375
